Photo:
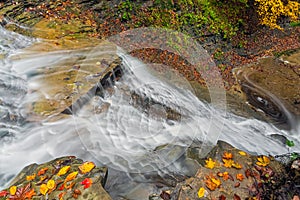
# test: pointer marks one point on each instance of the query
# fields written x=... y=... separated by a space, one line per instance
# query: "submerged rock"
x=62 y=178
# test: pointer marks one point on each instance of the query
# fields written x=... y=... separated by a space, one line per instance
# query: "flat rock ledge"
x=62 y=178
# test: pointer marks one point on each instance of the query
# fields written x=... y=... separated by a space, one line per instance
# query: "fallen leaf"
x=63 y=170
x=86 y=167
x=51 y=184
x=13 y=190
x=222 y=197
x=87 y=182
x=212 y=183
x=60 y=196
x=42 y=171
x=3 y=193
x=165 y=195
x=237 y=184
x=236 y=165
x=201 y=192
x=227 y=155
x=30 y=177
x=71 y=176
x=236 y=197
x=210 y=163
x=43 y=189
x=263 y=161
x=30 y=194
x=228 y=163
x=242 y=153
x=62 y=187
x=240 y=177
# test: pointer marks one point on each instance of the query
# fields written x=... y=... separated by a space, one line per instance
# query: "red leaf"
x=3 y=193
x=222 y=197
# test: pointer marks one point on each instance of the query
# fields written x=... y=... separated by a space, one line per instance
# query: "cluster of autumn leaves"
x=214 y=181
x=49 y=185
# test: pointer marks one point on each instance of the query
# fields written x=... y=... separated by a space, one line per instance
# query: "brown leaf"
x=236 y=197
x=237 y=184
x=165 y=195
x=222 y=197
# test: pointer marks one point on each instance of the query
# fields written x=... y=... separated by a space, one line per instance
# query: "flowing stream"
x=125 y=138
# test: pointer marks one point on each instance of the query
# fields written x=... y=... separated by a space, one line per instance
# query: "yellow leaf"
x=86 y=167
x=71 y=176
x=210 y=163
x=30 y=177
x=51 y=184
x=228 y=163
x=13 y=190
x=43 y=189
x=263 y=161
x=242 y=153
x=63 y=170
x=201 y=192
x=236 y=165
x=216 y=181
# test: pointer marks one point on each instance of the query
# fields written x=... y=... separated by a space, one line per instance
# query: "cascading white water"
x=124 y=137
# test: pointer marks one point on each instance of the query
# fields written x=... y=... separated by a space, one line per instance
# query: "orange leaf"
x=71 y=176
x=30 y=177
x=30 y=194
x=227 y=155
x=42 y=171
x=63 y=170
x=240 y=177
x=86 y=167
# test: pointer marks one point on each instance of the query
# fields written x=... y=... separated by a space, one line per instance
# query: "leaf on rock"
x=212 y=183
x=201 y=192
x=242 y=153
x=87 y=182
x=43 y=189
x=51 y=184
x=30 y=177
x=3 y=193
x=63 y=170
x=228 y=163
x=210 y=164
x=30 y=194
x=263 y=161
x=227 y=155
x=13 y=190
x=240 y=177
x=86 y=167
x=236 y=197
x=42 y=171
x=71 y=176
x=236 y=165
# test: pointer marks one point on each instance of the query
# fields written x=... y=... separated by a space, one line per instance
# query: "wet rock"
x=231 y=174
x=35 y=177
x=272 y=87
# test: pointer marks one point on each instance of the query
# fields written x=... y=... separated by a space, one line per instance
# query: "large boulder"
x=62 y=178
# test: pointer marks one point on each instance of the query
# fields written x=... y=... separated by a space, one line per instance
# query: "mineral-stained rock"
x=59 y=172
